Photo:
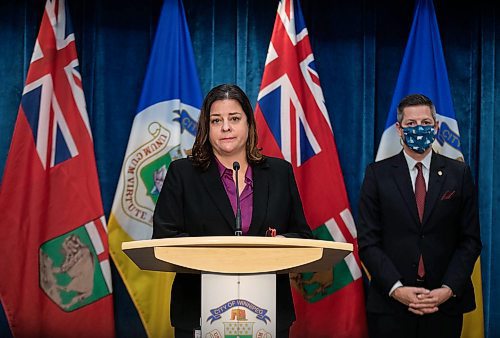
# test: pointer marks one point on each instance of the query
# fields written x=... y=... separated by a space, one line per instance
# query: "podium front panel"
x=241 y=306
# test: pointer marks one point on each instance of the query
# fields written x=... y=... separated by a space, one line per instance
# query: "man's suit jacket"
x=193 y=202
x=391 y=237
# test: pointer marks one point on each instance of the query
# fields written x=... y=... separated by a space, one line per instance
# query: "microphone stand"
x=237 y=232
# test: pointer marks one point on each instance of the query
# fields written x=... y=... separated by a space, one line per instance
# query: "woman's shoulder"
x=181 y=164
x=275 y=163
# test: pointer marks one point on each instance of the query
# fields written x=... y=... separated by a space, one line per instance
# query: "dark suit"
x=194 y=202
x=391 y=237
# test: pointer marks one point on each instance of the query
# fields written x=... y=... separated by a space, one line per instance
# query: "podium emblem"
x=237 y=313
x=238 y=329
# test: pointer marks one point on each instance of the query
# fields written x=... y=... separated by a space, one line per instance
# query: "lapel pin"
x=440 y=173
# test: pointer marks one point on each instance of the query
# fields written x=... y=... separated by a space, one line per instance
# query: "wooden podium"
x=238 y=274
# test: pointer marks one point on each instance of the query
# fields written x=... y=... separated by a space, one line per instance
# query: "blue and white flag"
x=423 y=71
x=163 y=130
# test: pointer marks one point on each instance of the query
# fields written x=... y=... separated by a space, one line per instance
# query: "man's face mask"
x=419 y=138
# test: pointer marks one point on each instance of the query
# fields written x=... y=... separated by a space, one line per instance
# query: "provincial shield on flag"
x=69 y=274
x=53 y=238
x=293 y=124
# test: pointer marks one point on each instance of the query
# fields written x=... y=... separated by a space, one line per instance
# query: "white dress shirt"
x=426 y=166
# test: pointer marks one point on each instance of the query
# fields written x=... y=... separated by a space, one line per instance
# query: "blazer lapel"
x=260 y=198
x=403 y=181
x=437 y=176
x=212 y=181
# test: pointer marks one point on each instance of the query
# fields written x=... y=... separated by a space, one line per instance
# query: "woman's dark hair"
x=202 y=149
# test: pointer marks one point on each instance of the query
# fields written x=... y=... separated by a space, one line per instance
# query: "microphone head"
x=236 y=165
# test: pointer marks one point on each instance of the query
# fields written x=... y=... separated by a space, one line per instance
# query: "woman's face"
x=228 y=128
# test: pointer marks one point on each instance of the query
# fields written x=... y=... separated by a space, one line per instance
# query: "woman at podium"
x=200 y=198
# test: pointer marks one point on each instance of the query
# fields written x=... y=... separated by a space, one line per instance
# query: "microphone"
x=237 y=231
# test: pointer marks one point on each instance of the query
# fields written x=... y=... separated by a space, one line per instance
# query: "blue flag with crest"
x=423 y=71
x=163 y=130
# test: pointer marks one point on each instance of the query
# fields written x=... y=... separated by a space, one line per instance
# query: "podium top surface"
x=236 y=254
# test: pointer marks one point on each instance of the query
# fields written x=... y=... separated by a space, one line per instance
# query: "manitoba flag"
x=293 y=124
x=56 y=279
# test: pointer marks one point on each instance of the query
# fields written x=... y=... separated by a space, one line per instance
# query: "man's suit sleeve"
x=469 y=246
x=298 y=226
x=168 y=219
x=383 y=271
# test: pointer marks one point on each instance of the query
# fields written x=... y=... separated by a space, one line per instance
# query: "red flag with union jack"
x=293 y=124
x=56 y=279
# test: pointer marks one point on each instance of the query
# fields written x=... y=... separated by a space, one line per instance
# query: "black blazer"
x=194 y=202
x=391 y=236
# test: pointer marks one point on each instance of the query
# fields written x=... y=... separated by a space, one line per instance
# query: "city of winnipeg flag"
x=56 y=279
x=423 y=71
x=163 y=130
x=293 y=124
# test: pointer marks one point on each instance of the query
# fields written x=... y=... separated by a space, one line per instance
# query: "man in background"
x=418 y=233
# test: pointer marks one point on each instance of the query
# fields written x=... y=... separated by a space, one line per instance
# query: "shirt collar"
x=426 y=162
x=223 y=171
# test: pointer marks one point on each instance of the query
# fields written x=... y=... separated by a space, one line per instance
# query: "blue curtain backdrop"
x=358 y=47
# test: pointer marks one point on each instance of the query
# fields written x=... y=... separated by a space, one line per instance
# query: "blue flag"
x=423 y=71
x=164 y=129
x=171 y=72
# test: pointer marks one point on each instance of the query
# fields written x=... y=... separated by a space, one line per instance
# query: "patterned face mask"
x=419 y=138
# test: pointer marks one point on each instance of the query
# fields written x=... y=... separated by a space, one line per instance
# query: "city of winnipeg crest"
x=236 y=324
x=144 y=171
x=161 y=133
x=71 y=268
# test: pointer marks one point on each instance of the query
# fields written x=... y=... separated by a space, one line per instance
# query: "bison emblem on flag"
x=71 y=268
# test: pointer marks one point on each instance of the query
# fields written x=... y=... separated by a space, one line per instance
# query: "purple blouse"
x=246 y=196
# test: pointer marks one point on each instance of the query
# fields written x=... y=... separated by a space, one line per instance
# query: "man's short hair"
x=415 y=100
